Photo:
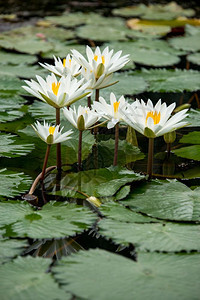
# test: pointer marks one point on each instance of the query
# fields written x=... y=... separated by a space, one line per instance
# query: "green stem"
x=116 y=144
x=45 y=162
x=150 y=158
x=168 y=149
x=58 y=145
x=96 y=99
x=80 y=150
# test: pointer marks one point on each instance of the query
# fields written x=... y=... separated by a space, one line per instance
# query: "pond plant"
x=115 y=214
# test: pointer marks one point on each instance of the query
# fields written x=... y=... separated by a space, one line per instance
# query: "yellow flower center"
x=154 y=115
x=51 y=130
x=64 y=62
x=116 y=106
x=102 y=58
x=55 y=87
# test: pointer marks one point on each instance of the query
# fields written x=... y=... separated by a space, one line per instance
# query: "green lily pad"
x=13 y=184
x=8 y=101
x=28 y=278
x=194 y=58
x=11 y=115
x=99 y=183
x=21 y=71
x=53 y=221
x=149 y=277
x=62 y=49
x=167 y=237
x=190 y=152
x=168 y=11
x=165 y=81
x=9 y=83
x=170 y=200
x=16 y=59
x=187 y=43
x=118 y=212
x=13 y=146
x=127 y=85
x=191 y=138
x=97 y=33
x=10 y=248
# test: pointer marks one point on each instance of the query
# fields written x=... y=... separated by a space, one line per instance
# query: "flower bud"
x=81 y=123
x=170 y=137
x=94 y=201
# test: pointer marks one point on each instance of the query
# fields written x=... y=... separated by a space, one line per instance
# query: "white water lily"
x=99 y=66
x=110 y=111
x=153 y=121
x=51 y=134
x=63 y=67
x=83 y=118
x=57 y=93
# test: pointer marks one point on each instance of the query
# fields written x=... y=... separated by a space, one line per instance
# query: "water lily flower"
x=63 y=67
x=51 y=134
x=82 y=118
x=57 y=93
x=110 y=111
x=99 y=66
x=153 y=121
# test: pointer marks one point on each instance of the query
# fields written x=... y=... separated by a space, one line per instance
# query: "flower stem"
x=80 y=150
x=116 y=144
x=45 y=162
x=58 y=145
x=150 y=157
x=89 y=101
x=168 y=149
x=96 y=99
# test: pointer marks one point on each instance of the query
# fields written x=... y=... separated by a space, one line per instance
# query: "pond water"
x=102 y=232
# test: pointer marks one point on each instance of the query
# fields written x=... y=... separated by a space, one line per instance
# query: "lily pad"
x=10 y=115
x=13 y=146
x=13 y=184
x=21 y=71
x=10 y=248
x=166 y=81
x=154 y=11
x=191 y=138
x=28 y=278
x=8 y=101
x=190 y=152
x=62 y=49
x=97 y=33
x=9 y=83
x=149 y=277
x=16 y=59
x=99 y=183
x=170 y=200
x=167 y=237
x=152 y=29
x=186 y=43
x=194 y=58
x=53 y=221
x=193 y=118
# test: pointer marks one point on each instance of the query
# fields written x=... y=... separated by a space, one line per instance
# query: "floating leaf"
x=16 y=59
x=27 y=278
x=8 y=101
x=97 y=33
x=118 y=212
x=13 y=184
x=62 y=49
x=187 y=43
x=149 y=277
x=11 y=248
x=127 y=85
x=167 y=237
x=170 y=200
x=12 y=146
x=21 y=71
x=194 y=58
x=9 y=83
x=193 y=118
x=165 y=81
x=168 y=11
x=151 y=29
x=190 y=152
x=11 y=115
x=99 y=183
x=191 y=138
x=53 y=221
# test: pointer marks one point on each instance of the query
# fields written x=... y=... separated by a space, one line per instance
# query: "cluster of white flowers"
x=78 y=77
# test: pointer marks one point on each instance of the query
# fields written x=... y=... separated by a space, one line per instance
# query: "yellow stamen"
x=70 y=61
x=51 y=130
x=102 y=57
x=154 y=115
x=116 y=106
x=64 y=62
x=55 y=87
